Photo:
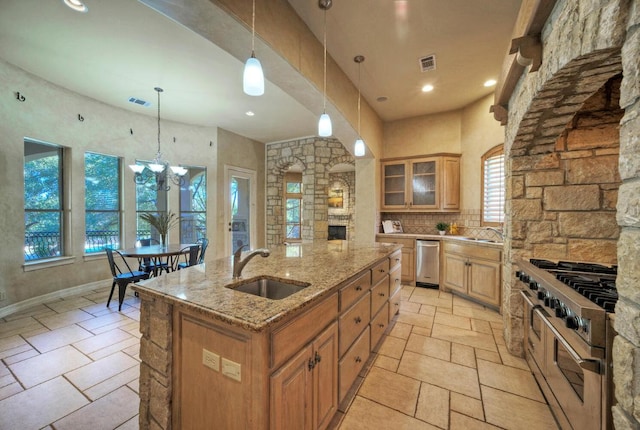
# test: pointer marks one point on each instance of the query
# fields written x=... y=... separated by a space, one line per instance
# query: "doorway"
x=240 y=208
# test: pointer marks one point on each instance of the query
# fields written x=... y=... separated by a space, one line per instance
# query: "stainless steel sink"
x=269 y=288
x=479 y=240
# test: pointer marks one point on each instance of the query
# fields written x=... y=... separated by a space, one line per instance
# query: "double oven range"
x=568 y=312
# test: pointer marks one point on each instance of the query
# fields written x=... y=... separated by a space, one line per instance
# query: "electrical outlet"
x=3 y=295
x=211 y=360
x=231 y=369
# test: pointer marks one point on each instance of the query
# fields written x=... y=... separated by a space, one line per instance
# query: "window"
x=43 y=201
x=493 y=186
x=193 y=205
x=151 y=197
x=293 y=199
x=101 y=202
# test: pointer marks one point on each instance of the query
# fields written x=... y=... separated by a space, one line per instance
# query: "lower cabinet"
x=408 y=256
x=304 y=392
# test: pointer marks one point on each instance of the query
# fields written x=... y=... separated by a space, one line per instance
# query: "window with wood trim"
x=493 y=187
x=293 y=206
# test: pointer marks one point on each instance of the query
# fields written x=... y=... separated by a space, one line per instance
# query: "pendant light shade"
x=253 y=78
x=324 y=124
x=359 y=148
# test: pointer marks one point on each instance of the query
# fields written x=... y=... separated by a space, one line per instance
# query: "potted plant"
x=442 y=227
x=162 y=222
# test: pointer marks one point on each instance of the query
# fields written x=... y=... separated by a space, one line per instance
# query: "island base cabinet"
x=304 y=391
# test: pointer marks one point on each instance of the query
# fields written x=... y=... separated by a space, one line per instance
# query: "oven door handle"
x=588 y=365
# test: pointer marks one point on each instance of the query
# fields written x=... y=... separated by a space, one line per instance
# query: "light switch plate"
x=211 y=360
x=232 y=370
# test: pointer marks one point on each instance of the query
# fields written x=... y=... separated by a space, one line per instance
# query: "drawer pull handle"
x=381 y=270
x=397 y=304
x=397 y=260
x=381 y=325
x=397 y=281
x=312 y=364
x=358 y=320
x=381 y=294
x=358 y=288
x=358 y=359
x=318 y=357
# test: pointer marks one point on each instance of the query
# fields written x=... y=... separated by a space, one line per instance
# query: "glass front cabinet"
x=421 y=184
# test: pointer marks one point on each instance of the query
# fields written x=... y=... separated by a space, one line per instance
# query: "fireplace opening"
x=337 y=232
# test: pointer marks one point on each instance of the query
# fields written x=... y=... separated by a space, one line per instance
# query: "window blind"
x=494 y=189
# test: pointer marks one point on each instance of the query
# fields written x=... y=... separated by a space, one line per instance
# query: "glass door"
x=240 y=208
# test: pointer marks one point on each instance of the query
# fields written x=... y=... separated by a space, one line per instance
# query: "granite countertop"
x=465 y=239
x=323 y=264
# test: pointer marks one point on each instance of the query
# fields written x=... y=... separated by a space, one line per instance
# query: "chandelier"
x=159 y=166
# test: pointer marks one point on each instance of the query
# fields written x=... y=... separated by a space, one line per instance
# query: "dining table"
x=158 y=254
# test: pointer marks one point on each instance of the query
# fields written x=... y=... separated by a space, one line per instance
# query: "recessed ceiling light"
x=250 y=113
x=76 y=5
x=382 y=99
x=427 y=88
x=490 y=83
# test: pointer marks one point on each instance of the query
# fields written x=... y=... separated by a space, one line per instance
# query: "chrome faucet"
x=239 y=264
x=498 y=231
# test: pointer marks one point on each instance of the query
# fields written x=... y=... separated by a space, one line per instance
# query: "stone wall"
x=346 y=181
x=316 y=156
x=585 y=44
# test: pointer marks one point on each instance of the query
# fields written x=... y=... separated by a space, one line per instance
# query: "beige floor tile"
x=132 y=424
x=387 y=363
x=433 y=405
x=64 y=319
x=510 y=379
x=498 y=336
x=467 y=406
x=459 y=301
x=99 y=390
x=102 y=340
x=451 y=376
x=367 y=415
x=406 y=292
x=121 y=324
x=496 y=325
x=463 y=354
x=401 y=330
x=57 y=338
x=422 y=331
x=11 y=342
x=425 y=321
x=68 y=304
x=481 y=325
x=19 y=326
x=391 y=389
x=499 y=408
x=511 y=360
x=465 y=337
x=428 y=310
x=119 y=346
x=483 y=354
x=133 y=351
x=104 y=321
x=409 y=307
x=135 y=385
x=463 y=422
x=40 y=310
x=6 y=379
x=10 y=390
x=481 y=314
x=18 y=350
x=432 y=301
x=107 y=412
x=98 y=309
x=392 y=347
x=429 y=346
x=452 y=320
x=31 y=352
x=40 y=405
x=44 y=367
x=425 y=292
x=4 y=371
x=101 y=370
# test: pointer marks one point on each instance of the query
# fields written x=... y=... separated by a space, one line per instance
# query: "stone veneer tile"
x=447 y=375
x=391 y=389
x=429 y=346
x=366 y=415
x=433 y=405
x=499 y=407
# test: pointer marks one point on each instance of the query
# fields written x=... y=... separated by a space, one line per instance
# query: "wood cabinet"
x=474 y=271
x=424 y=184
x=408 y=256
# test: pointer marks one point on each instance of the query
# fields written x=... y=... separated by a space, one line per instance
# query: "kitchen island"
x=214 y=357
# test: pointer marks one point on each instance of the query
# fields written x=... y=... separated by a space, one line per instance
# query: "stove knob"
x=572 y=323
x=541 y=295
x=547 y=301
x=518 y=274
x=560 y=313
x=533 y=285
x=524 y=277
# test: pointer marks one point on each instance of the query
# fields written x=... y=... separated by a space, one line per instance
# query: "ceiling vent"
x=139 y=102
x=428 y=63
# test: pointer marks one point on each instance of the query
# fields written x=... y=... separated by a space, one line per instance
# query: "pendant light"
x=324 y=124
x=253 y=78
x=359 y=148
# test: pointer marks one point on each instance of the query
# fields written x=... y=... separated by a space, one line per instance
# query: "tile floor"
x=74 y=364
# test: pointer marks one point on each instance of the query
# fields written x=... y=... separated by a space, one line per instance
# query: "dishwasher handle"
x=425 y=244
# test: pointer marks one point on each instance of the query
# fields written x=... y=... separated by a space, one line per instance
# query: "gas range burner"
x=572 y=266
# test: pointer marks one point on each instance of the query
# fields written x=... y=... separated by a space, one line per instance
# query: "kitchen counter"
x=465 y=239
x=324 y=265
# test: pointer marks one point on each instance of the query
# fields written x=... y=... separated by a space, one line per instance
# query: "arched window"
x=493 y=187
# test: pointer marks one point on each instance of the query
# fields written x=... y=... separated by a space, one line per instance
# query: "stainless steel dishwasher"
x=428 y=263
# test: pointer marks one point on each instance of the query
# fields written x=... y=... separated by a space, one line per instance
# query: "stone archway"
x=275 y=215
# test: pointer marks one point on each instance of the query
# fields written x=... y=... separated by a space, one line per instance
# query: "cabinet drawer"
x=354 y=290
x=289 y=339
x=473 y=251
x=379 y=324
x=394 y=304
x=379 y=295
x=351 y=364
x=395 y=259
x=379 y=271
x=395 y=280
x=352 y=322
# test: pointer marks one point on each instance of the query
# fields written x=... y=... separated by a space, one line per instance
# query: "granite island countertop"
x=323 y=264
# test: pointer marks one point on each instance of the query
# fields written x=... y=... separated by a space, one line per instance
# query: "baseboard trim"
x=60 y=294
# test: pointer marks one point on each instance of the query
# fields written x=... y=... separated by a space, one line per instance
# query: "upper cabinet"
x=424 y=184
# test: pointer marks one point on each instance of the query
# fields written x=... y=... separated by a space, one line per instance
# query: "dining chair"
x=120 y=277
x=150 y=266
x=204 y=242
x=191 y=257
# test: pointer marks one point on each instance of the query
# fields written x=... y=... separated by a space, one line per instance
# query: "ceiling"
x=123 y=48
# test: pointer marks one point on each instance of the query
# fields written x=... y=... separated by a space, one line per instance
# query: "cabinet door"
x=408 y=265
x=484 y=281
x=292 y=393
x=425 y=191
x=450 y=183
x=455 y=272
x=394 y=185
x=325 y=377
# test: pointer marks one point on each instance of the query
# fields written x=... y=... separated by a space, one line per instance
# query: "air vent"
x=428 y=63
x=139 y=102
